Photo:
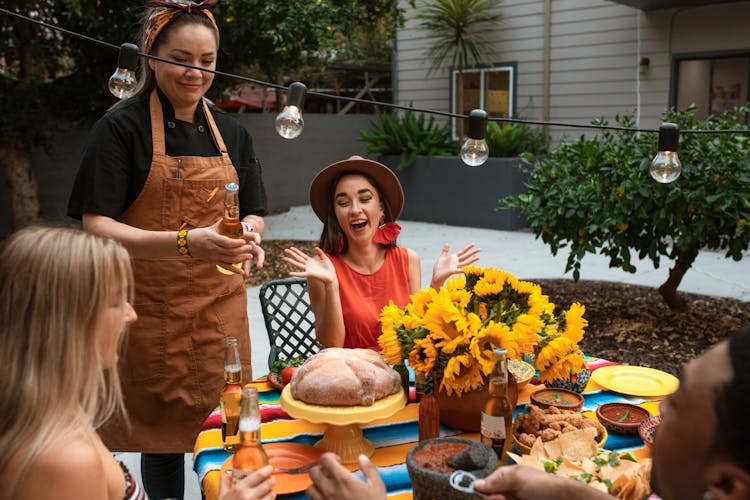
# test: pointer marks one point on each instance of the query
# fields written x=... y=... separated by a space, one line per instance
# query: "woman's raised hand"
x=318 y=267
x=448 y=265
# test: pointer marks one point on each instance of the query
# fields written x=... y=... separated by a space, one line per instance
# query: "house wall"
x=595 y=48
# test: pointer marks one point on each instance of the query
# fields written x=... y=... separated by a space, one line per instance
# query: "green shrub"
x=514 y=139
x=408 y=135
x=596 y=195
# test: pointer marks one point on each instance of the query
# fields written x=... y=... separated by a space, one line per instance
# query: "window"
x=491 y=89
x=713 y=83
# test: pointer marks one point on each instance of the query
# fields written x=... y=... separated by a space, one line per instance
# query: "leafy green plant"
x=408 y=135
x=514 y=139
x=457 y=30
x=596 y=195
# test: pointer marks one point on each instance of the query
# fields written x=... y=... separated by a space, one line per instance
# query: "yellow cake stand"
x=343 y=436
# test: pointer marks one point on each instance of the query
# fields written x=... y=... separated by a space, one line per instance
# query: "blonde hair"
x=55 y=283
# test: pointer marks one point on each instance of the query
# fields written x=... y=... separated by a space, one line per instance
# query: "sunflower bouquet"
x=455 y=329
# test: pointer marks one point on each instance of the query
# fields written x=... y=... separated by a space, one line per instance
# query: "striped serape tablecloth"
x=393 y=437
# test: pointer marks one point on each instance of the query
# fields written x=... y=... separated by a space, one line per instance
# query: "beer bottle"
x=230 y=224
x=250 y=456
x=497 y=415
x=230 y=396
x=429 y=410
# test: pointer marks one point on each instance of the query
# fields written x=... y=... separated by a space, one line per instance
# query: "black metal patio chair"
x=289 y=319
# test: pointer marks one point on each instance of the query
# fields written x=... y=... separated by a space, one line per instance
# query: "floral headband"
x=160 y=19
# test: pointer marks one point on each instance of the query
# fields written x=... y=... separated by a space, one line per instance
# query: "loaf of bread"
x=344 y=377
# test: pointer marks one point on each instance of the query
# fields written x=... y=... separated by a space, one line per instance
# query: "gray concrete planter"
x=444 y=190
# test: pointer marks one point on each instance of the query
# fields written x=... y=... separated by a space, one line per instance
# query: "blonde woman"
x=64 y=307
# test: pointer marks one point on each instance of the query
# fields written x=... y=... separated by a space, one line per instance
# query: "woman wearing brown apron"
x=152 y=176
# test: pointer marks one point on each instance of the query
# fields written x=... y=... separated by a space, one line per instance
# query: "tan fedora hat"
x=386 y=180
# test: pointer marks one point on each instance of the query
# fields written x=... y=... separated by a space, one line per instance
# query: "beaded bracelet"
x=182 y=244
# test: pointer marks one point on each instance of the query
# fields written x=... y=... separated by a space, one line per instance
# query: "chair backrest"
x=289 y=319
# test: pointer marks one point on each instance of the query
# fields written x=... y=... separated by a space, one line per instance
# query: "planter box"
x=444 y=190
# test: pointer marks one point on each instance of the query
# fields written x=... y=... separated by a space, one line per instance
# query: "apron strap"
x=213 y=128
x=157 y=125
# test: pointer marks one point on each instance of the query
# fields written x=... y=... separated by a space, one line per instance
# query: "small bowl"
x=522 y=371
x=622 y=418
x=563 y=399
x=525 y=450
x=647 y=428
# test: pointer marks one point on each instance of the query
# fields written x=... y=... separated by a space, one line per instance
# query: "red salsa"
x=434 y=456
x=625 y=415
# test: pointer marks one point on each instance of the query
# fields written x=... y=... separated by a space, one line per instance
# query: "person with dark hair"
x=358 y=268
x=700 y=450
x=153 y=176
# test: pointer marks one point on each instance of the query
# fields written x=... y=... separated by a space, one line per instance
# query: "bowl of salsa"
x=431 y=463
x=562 y=399
x=621 y=418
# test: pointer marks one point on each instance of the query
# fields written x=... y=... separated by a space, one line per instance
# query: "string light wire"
x=365 y=101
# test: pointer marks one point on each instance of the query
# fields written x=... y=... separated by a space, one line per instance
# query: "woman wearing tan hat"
x=358 y=268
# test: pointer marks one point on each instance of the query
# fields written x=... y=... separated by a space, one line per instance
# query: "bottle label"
x=493 y=427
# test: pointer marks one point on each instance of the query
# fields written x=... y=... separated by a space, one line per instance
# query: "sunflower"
x=454 y=330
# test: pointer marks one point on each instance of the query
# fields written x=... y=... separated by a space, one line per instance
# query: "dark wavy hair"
x=332 y=232
x=732 y=403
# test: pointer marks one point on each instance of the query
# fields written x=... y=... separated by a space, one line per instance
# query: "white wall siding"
x=594 y=56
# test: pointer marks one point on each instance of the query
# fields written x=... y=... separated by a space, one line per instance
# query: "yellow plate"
x=635 y=380
x=341 y=415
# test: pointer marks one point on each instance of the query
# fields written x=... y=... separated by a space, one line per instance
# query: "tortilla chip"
x=599 y=486
x=579 y=444
x=624 y=468
x=535 y=462
x=537 y=450
x=568 y=468
x=553 y=449
x=589 y=466
x=624 y=486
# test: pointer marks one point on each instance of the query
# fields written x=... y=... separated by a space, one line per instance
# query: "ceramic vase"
x=574 y=382
x=464 y=412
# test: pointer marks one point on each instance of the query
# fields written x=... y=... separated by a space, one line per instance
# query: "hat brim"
x=390 y=187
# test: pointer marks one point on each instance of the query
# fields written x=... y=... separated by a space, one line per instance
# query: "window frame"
x=694 y=56
x=510 y=67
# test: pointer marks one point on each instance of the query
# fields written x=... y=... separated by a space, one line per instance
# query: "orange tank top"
x=363 y=296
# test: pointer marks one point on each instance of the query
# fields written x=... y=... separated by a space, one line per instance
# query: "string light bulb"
x=289 y=122
x=122 y=83
x=666 y=166
x=474 y=150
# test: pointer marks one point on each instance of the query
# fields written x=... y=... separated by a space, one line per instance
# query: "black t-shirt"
x=118 y=152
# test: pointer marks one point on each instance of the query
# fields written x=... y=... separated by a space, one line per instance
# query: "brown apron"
x=172 y=367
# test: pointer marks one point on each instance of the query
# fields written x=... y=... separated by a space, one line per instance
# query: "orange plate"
x=287 y=455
